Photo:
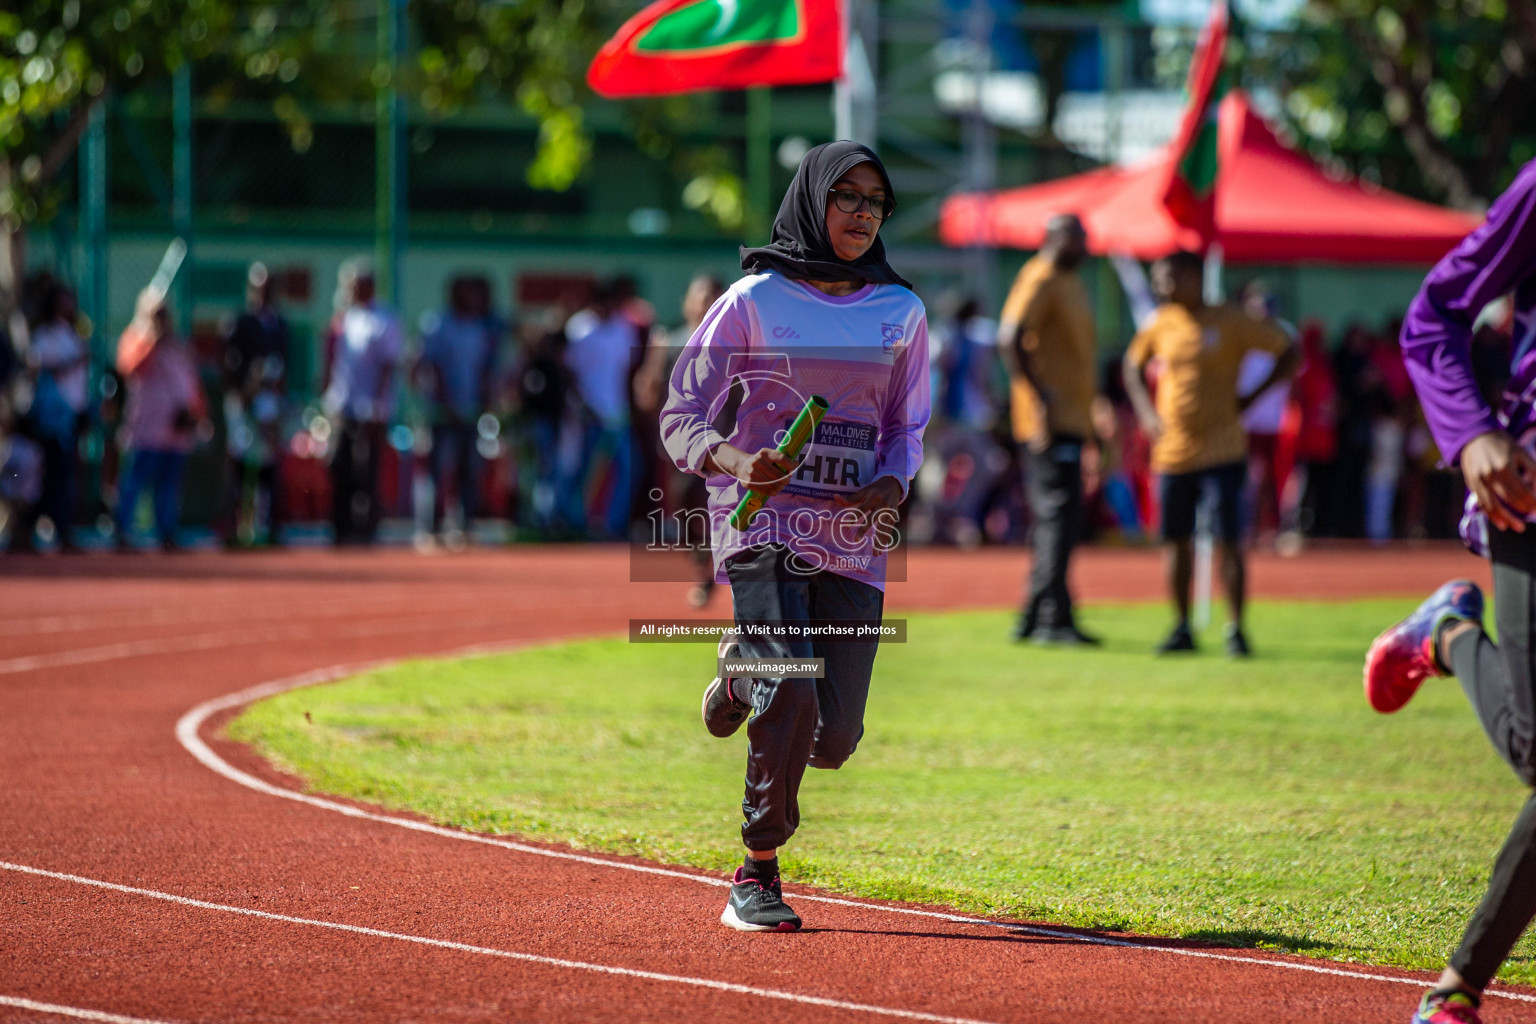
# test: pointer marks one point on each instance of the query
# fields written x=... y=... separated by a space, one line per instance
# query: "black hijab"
x=800 y=246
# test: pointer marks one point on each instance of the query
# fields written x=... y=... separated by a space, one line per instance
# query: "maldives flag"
x=687 y=45
x=1191 y=192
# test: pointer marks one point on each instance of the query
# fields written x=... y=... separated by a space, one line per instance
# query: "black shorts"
x=1219 y=489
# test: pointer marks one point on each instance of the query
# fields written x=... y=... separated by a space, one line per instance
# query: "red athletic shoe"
x=1404 y=656
x=1456 y=1008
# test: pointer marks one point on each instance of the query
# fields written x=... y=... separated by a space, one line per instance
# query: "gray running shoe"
x=758 y=907
x=723 y=714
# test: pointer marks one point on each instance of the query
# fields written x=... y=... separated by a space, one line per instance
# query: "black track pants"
x=1054 y=481
x=798 y=721
x=1498 y=682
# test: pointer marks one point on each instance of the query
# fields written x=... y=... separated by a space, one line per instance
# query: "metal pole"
x=93 y=231
x=182 y=185
x=1111 y=296
x=390 y=205
x=1113 y=37
x=63 y=250
x=1214 y=293
x=842 y=109
x=854 y=95
x=93 y=266
x=383 y=103
x=1205 y=573
x=981 y=147
x=759 y=159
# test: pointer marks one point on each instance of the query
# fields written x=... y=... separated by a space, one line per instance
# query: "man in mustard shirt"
x=1199 y=448
x=1047 y=340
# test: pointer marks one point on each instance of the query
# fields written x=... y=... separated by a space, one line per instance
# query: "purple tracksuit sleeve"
x=702 y=374
x=908 y=406
x=1437 y=333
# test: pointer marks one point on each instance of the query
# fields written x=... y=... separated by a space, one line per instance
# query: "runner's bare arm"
x=1141 y=398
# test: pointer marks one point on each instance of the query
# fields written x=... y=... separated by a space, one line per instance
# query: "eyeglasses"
x=849 y=201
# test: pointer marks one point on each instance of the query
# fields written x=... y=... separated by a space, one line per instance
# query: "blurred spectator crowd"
x=468 y=425
x=477 y=426
x=1342 y=451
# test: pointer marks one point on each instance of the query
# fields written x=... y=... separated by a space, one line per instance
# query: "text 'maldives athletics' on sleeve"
x=908 y=405
x=700 y=376
x=1437 y=332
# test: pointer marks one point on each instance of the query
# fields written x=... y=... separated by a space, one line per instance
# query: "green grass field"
x=1259 y=803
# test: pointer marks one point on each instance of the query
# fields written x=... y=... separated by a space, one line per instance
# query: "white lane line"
x=532 y=958
x=190 y=724
x=153 y=645
x=230 y=638
x=97 y=621
x=102 y=620
x=74 y=1011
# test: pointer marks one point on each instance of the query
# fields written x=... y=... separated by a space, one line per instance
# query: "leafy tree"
x=59 y=61
x=1433 y=97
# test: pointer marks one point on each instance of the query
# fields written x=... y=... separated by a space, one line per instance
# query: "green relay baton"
x=800 y=432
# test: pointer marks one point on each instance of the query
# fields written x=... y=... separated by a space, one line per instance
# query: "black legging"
x=1498 y=681
x=1054 y=481
x=798 y=721
x=355 y=480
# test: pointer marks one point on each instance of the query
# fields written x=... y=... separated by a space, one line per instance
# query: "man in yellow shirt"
x=1047 y=340
x=1199 y=448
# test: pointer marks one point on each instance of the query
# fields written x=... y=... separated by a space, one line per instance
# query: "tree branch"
x=1439 y=168
x=1509 y=107
x=12 y=239
x=63 y=147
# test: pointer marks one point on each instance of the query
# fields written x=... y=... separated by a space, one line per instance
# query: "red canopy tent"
x=1273 y=205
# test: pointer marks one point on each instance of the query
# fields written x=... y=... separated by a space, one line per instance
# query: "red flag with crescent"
x=676 y=46
x=1191 y=192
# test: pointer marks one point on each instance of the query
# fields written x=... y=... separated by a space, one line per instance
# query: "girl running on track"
x=1497 y=454
x=820 y=312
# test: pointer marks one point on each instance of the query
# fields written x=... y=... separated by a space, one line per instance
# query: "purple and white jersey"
x=766 y=346
x=1497 y=259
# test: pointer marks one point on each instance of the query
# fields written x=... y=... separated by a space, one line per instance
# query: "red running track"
x=222 y=902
